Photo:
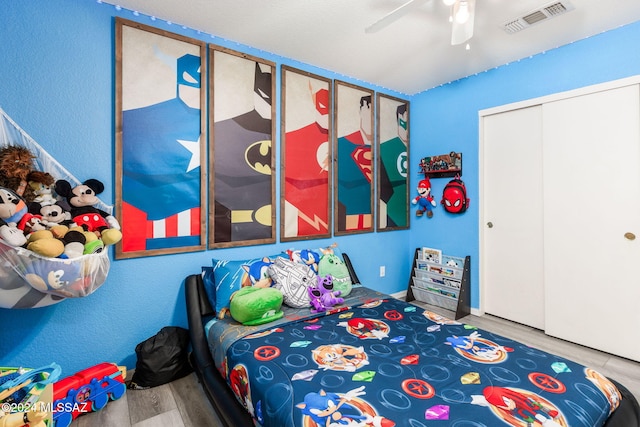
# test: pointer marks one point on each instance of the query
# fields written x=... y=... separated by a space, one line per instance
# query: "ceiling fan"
x=461 y=17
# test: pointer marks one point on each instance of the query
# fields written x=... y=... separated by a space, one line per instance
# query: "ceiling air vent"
x=545 y=12
x=534 y=17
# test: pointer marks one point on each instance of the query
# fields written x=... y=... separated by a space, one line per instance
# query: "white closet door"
x=511 y=218
x=592 y=199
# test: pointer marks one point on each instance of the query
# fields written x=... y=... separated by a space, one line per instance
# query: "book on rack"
x=432 y=255
x=453 y=261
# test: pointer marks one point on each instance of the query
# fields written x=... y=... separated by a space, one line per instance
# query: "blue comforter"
x=382 y=362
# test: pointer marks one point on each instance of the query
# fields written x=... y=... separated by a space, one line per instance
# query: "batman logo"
x=258 y=156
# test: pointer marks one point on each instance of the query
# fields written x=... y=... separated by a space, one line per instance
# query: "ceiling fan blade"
x=394 y=15
x=461 y=32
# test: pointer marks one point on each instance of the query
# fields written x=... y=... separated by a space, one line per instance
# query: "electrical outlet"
x=382 y=271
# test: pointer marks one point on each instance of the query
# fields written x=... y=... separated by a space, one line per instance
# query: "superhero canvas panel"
x=159 y=140
x=393 y=163
x=354 y=172
x=306 y=165
x=242 y=179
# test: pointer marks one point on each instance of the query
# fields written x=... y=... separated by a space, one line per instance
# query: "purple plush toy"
x=322 y=295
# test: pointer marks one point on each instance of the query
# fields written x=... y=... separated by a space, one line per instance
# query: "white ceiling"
x=410 y=55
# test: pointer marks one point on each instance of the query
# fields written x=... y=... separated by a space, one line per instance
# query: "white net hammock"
x=21 y=270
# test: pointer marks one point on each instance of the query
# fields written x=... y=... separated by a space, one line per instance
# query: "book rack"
x=443 y=284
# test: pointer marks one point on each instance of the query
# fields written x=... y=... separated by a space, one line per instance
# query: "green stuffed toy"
x=254 y=306
x=331 y=264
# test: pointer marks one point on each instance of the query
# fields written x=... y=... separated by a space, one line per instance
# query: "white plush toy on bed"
x=292 y=279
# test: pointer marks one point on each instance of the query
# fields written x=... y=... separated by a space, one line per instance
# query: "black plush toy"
x=82 y=199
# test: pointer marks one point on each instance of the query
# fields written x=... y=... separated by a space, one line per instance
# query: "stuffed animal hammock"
x=21 y=268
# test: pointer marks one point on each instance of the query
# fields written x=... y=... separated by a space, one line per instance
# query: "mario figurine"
x=424 y=199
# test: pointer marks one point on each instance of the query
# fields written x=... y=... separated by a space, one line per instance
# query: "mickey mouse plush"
x=19 y=228
x=81 y=199
x=12 y=206
x=11 y=235
x=53 y=214
x=12 y=209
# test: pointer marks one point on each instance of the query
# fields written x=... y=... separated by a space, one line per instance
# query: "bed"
x=377 y=361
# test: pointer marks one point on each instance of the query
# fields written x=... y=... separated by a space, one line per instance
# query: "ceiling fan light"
x=448 y=2
x=461 y=32
x=462 y=15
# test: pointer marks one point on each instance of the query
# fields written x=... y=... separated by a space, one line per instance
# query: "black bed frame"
x=230 y=411
x=233 y=414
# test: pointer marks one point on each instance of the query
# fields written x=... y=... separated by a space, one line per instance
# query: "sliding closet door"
x=511 y=216
x=591 y=215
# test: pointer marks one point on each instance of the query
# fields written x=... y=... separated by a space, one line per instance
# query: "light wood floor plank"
x=195 y=410
x=625 y=367
x=144 y=404
x=170 y=418
x=117 y=415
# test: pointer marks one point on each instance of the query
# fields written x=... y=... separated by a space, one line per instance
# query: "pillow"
x=326 y=261
x=255 y=306
x=292 y=279
x=209 y=285
x=333 y=265
x=309 y=257
x=231 y=275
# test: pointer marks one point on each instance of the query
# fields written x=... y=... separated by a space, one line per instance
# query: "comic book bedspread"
x=389 y=363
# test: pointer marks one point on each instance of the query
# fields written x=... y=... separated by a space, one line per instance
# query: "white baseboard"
x=400 y=295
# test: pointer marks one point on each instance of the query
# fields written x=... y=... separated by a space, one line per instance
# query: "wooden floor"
x=177 y=404
x=183 y=402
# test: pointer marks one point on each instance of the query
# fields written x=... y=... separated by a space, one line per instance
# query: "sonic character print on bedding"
x=348 y=409
x=387 y=363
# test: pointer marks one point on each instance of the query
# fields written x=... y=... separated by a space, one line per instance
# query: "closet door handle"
x=490 y=224
x=629 y=236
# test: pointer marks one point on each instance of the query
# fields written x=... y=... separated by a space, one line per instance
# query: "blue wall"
x=57 y=70
x=445 y=119
x=58 y=85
